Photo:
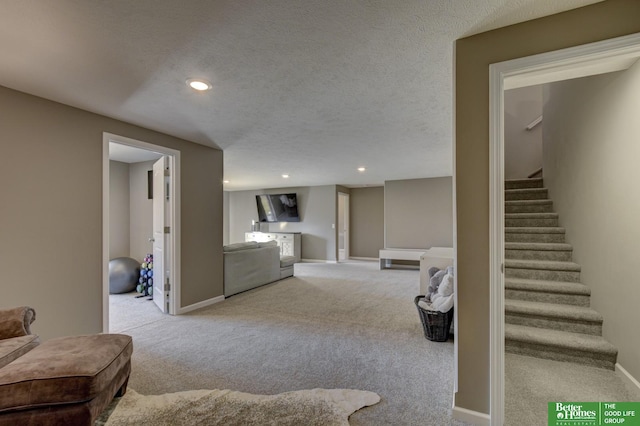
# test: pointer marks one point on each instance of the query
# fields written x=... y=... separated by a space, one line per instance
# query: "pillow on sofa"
x=272 y=243
x=240 y=246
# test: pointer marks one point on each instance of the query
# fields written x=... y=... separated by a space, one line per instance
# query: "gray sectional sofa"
x=251 y=264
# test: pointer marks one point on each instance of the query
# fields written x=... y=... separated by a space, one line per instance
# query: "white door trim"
x=344 y=220
x=589 y=59
x=174 y=158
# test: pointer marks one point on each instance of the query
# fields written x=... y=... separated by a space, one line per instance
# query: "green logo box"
x=593 y=413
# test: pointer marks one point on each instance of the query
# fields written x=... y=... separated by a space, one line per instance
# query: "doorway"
x=596 y=58
x=343 y=227
x=143 y=156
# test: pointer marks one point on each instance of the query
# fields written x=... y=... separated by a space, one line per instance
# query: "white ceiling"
x=314 y=89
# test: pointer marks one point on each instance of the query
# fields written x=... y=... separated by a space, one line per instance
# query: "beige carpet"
x=332 y=326
x=531 y=383
x=315 y=407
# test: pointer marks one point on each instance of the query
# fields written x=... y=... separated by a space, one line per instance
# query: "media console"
x=290 y=243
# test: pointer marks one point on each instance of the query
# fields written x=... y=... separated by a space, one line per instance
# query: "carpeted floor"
x=345 y=325
x=531 y=383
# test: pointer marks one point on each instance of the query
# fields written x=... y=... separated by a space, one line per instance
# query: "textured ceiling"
x=314 y=89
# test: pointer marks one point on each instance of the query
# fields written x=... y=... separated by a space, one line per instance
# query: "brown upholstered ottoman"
x=65 y=381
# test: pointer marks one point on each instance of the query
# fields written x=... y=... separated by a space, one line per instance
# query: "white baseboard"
x=318 y=261
x=368 y=259
x=199 y=305
x=470 y=416
x=627 y=377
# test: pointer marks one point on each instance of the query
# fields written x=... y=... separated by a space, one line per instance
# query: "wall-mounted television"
x=277 y=208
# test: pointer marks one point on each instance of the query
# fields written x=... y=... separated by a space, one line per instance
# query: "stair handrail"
x=534 y=123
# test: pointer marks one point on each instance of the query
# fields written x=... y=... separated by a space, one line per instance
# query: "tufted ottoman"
x=65 y=381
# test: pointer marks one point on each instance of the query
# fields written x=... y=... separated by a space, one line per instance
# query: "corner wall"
x=366 y=221
x=418 y=213
x=118 y=209
x=591 y=150
x=522 y=147
x=51 y=245
x=473 y=55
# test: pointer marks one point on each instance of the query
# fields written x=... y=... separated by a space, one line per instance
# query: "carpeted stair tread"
x=534 y=230
x=545 y=265
x=559 y=339
x=526 y=191
x=526 y=194
x=531 y=216
x=528 y=206
x=539 y=246
x=527 y=202
x=552 y=310
x=559 y=287
x=547 y=219
x=523 y=183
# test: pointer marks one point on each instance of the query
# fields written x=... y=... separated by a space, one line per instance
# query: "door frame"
x=175 y=236
x=590 y=59
x=345 y=218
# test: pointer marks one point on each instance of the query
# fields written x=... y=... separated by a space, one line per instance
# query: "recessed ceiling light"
x=225 y=181
x=286 y=176
x=361 y=169
x=199 y=84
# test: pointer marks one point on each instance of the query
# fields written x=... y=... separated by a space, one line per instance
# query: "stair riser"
x=527 y=195
x=516 y=237
x=557 y=298
x=522 y=184
x=561 y=324
x=528 y=222
x=553 y=255
x=561 y=354
x=543 y=274
x=528 y=208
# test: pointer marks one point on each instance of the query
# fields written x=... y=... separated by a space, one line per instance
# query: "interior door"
x=161 y=263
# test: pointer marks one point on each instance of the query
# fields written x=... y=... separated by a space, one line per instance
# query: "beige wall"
x=522 y=147
x=51 y=244
x=591 y=152
x=474 y=54
x=367 y=221
x=317 y=207
x=118 y=209
x=141 y=224
x=418 y=213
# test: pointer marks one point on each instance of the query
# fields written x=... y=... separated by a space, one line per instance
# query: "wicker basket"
x=436 y=324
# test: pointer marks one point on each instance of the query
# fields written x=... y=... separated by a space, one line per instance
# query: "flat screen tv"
x=277 y=208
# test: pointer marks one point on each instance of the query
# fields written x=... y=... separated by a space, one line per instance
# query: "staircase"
x=547 y=311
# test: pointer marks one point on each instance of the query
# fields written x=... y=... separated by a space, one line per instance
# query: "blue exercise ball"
x=123 y=275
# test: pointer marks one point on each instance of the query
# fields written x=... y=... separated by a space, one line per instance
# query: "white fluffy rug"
x=321 y=407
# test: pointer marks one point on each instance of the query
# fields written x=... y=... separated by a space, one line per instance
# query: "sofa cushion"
x=12 y=349
x=272 y=243
x=286 y=261
x=64 y=370
x=239 y=246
